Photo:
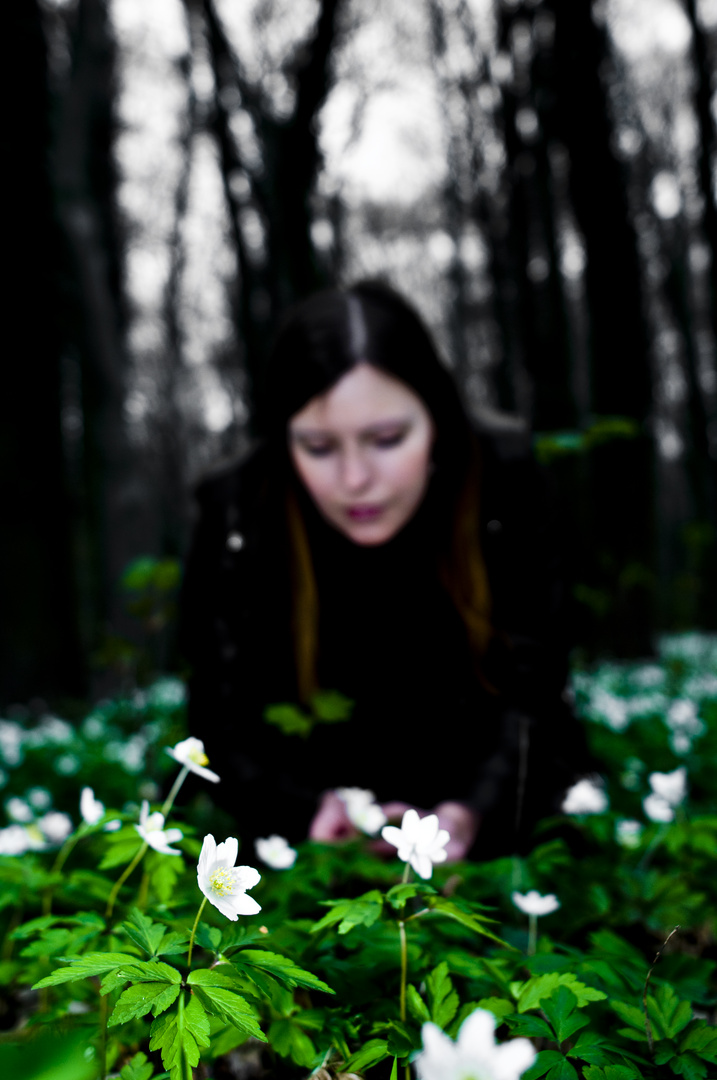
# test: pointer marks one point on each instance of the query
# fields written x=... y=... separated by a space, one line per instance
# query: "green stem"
x=532 y=934
x=174 y=790
x=103 y=1036
x=123 y=877
x=194 y=930
x=143 y=891
x=406 y=872
x=59 y=862
x=404 y=973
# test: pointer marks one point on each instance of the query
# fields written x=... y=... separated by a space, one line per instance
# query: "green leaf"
x=289 y=719
x=667 y=1013
x=137 y=1069
x=443 y=1001
x=139 y=1000
x=693 y=1068
x=281 y=967
x=563 y=1070
x=363 y=911
x=144 y=932
x=473 y=922
x=120 y=854
x=500 y=1007
x=611 y=1072
x=702 y=1040
x=370 y=1054
x=545 y=1061
x=179 y=1035
x=82 y=967
x=148 y=971
x=173 y=943
x=589 y=1047
x=164 y=875
x=533 y=1027
x=214 y=991
x=329 y=706
x=401 y=1042
x=209 y=937
x=417 y=1005
x=532 y=992
x=288 y=1039
x=400 y=894
x=560 y=1010
x=631 y=1015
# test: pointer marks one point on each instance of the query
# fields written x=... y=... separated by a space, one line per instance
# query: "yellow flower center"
x=222 y=882
x=198 y=757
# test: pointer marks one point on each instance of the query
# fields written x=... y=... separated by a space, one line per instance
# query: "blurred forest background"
x=537 y=175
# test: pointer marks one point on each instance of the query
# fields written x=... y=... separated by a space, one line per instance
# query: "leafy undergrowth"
x=346 y=960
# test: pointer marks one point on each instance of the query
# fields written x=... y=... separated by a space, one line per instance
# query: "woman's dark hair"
x=317 y=343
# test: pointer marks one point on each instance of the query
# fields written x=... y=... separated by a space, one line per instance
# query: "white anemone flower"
x=151 y=829
x=628 y=833
x=275 y=852
x=18 y=810
x=658 y=809
x=585 y=797
x=190 y=753
x=420 y=841
x=672 y=787
x=91 y=809
x=362 y=809
x=56 y=826
x=14 y=840
x=474 y=1054
x=532 y=903
x=223 y=883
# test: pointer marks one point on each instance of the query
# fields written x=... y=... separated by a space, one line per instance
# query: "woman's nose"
x=356 y=471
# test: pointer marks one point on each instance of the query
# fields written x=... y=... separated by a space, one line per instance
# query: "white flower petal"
x=392 y=835
x=207 y=855
x=227 y=851
x=246 y=905
x=532 y=903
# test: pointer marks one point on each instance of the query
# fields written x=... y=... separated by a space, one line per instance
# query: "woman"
x=376 y=545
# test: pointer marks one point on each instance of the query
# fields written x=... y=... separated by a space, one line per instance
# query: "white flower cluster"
x=585 y=797
x=668 y=792
x=532 y=903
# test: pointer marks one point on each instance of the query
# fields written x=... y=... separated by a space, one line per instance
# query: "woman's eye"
x=317 y=449
x=384 y=442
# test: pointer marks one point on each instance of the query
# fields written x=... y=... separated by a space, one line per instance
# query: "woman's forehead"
x=364 y=397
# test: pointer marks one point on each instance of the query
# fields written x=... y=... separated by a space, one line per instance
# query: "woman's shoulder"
x=236 y=480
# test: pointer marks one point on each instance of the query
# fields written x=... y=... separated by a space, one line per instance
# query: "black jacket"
x=424 y=728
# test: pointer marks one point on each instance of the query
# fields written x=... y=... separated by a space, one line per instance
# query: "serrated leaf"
x=500 y=1007
x=165 y=873
x=209 y=937
x=702 y=1040
x=363 y=911
x=138 y=1000
x=144 y=932
x=82 y=967
x=443 y=1001
x=120 y=854
x=401 y=893
x=532 y=992
x=281 y=967
x=533 y=1027
x=148 y=971
x=330 y=706
x=630 y=1014
x=137 y=1069
x=610 y=1072
x=589 y=1047
x=370 y=1054
x=543 y=1063
x=217 y=998
x=689 y=1066
x=173 y=943
x=416 y=1005
x=288 y=1039
x=476 y=923
x=667 y=1013
x=289 y=719
x=179 y=1035
x=560 y=1010
x=563 y=1070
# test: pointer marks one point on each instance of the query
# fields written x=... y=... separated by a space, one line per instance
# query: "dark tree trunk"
x=39 y=640
x=621 y=488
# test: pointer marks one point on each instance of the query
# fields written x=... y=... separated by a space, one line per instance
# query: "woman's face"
x=363 y=452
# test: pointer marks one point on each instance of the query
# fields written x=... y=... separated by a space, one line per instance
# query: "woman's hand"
x=331 y=822
x=462 y=825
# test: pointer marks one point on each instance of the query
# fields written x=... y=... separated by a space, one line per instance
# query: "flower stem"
x=194 y=930
x=143 y=891
x=122 y=878
x=59 y=862
x=532 y=934
x=174 y=790
x=404 y=973
x=103 y=1036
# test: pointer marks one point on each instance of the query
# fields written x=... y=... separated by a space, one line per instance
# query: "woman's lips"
x=364 y=513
